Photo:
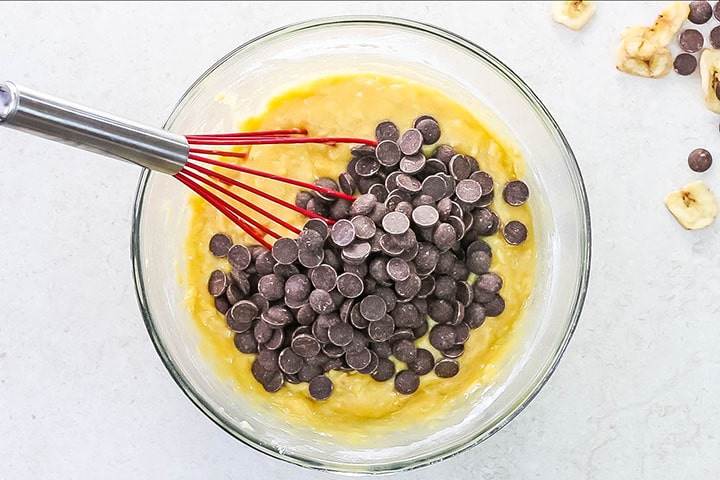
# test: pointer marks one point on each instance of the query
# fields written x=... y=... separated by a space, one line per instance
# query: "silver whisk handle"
x=78 y=126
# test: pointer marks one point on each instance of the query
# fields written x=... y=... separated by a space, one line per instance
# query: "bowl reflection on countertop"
x=475 y=79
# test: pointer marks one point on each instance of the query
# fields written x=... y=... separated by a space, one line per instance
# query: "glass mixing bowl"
x=252 y=74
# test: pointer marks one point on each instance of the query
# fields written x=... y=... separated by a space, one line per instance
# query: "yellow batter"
x=352 y=105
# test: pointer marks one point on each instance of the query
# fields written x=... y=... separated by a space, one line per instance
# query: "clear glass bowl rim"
x=542 y=113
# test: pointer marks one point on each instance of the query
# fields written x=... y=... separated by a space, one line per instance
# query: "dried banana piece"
x=643 y=50
x=694 y=206
x=710 y=76
x=573 y=15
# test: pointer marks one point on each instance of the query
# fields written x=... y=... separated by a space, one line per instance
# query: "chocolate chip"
x=446 y=368
x=458 y=226
x=260 y=302
x=456 y=351
x=350 y=285
x=398 y=269
x=427 y=287
x=412 y=164
x=699 y=160
x=478 y=262
x=388 y=153
x=462 y=333
x=715 y=36
x=444 y=237
x=388 y=296
x=516 y=193
x=685 y=64
x=442 y=337
x=367 y=166
x=272 y=287
x=486 y=222
x=489 y=282
x=323 y=277
x=308 y=372
x=474 y=315
x=346 y=183
x=220 y=244
x=240 y=280
x=289 y=361
x=411 y=142
x=381 y=330
x=217 y=283
x=408 y=183
x=691 y=40
x=321 y=301
x=387 y=130
x=333 y=351
x=425 y=216
x=385 y=370
x=343 y=233
x=445 y=287
x=406 y=382
x=405 y=350
x=495 y=306
x=373 y=308
x=433 y=166
x=358 y=360
x=464 y=293
x=427 y=258
x=405 y=208
x=242 y=313
x=485 y=180
x=318 y=206
x=262 y=331
x=379 y=190
x=409 y=287
x=305 y=345
x=268 y=359
x=306 y=315
x=245 y=342
x=320 y=387
x=429 y=129
x=277 y=316
x=341 y=334
x=423 y=363
x=363 y=204
x=362 y=150
x=700 y=12
x=396 y=223
x=363 y=226
x=422 y=330
x=459 y=167
x=239 y=257
x=468 y=191
x=319 y=226
x=515 y=232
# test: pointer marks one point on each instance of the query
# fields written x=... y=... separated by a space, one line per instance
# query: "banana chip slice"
x=694 y=206
x=573 y=15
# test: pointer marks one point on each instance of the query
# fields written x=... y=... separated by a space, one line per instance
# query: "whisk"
x=188 y=158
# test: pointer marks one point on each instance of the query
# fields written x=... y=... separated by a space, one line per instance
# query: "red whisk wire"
x=245 y=202
x=266 y=140
x=219 y=153
x=272 y=198
x=287 y=131
x=228 y=210
x=272 y=176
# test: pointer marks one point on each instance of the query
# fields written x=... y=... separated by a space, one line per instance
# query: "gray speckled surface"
x=82 y=392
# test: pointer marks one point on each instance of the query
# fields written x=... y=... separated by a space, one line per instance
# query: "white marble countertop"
x=82 y=392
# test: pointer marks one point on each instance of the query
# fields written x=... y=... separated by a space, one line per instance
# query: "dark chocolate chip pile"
x=354 y=294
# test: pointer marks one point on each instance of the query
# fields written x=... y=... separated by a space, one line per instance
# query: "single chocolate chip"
x=495 y=306
x=243 y=312
x=456 y=351
x=468 y=191
x=715 y=37
x=333 y=351
x=373 y=308
x=429 y=129
x=240 y=279
x=277 y=340
x=318 y=206
x=372 y=366
x=444 y=237
x=427 y=258
x=367 y=166
x=277 y=316
x=346 y=183
x=515 y=232
x=302 y=199
x=409 y=287
x=685 y=64
x=239 y=257
x=382 y=349
x=321 y=301
x=388 y=296
x=408 y=183
x=268 y=359
x=245 y=342
x=297 y=289
x=434 y=186
x=486 y=222
x=489 y=282
x=405 y=208
x=285 y=271
x=691 y=40
x=423 y=363
x=464 y=293
x=320 y=387
x=379 y=190
x=220 y=244
x=262 y=331
x=398 y=269
x=699 y=160
x=442 y=337
x=342 y=233
x=444 y=153
x=323 y=277
x=412 y=164
x=700 y=12
x=362 y=150
x=474 y=315
x=516 y=193
x=306 y=315
x=363 y=204
x=446 y=368
x=485 y=180
x=363 y=226
x=387 y=130
x=405 y=350
x=319 y=226
x=385 y=370
x=217 y=283
x=427 y=287
x=350 y=285
x=305 y=345
x=462 y=333
x=358 y=360
x=345 y=309
x=422 y=330
x=411 y=142
x=272 y=287
x=289 y=361
x=260 y=302
x=445 y=287
x=458 y=226
x=425 y=216
x=478 y=262
x=406 y=382
x=341 y=334
x=406 y=315
x=388 y=153
x=381 y=330
x=396 y=223
x=459 y=167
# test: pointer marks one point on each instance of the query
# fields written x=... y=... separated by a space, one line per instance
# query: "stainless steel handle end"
x=8 y=101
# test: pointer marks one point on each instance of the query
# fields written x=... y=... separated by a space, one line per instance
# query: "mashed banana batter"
x=353 y=105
